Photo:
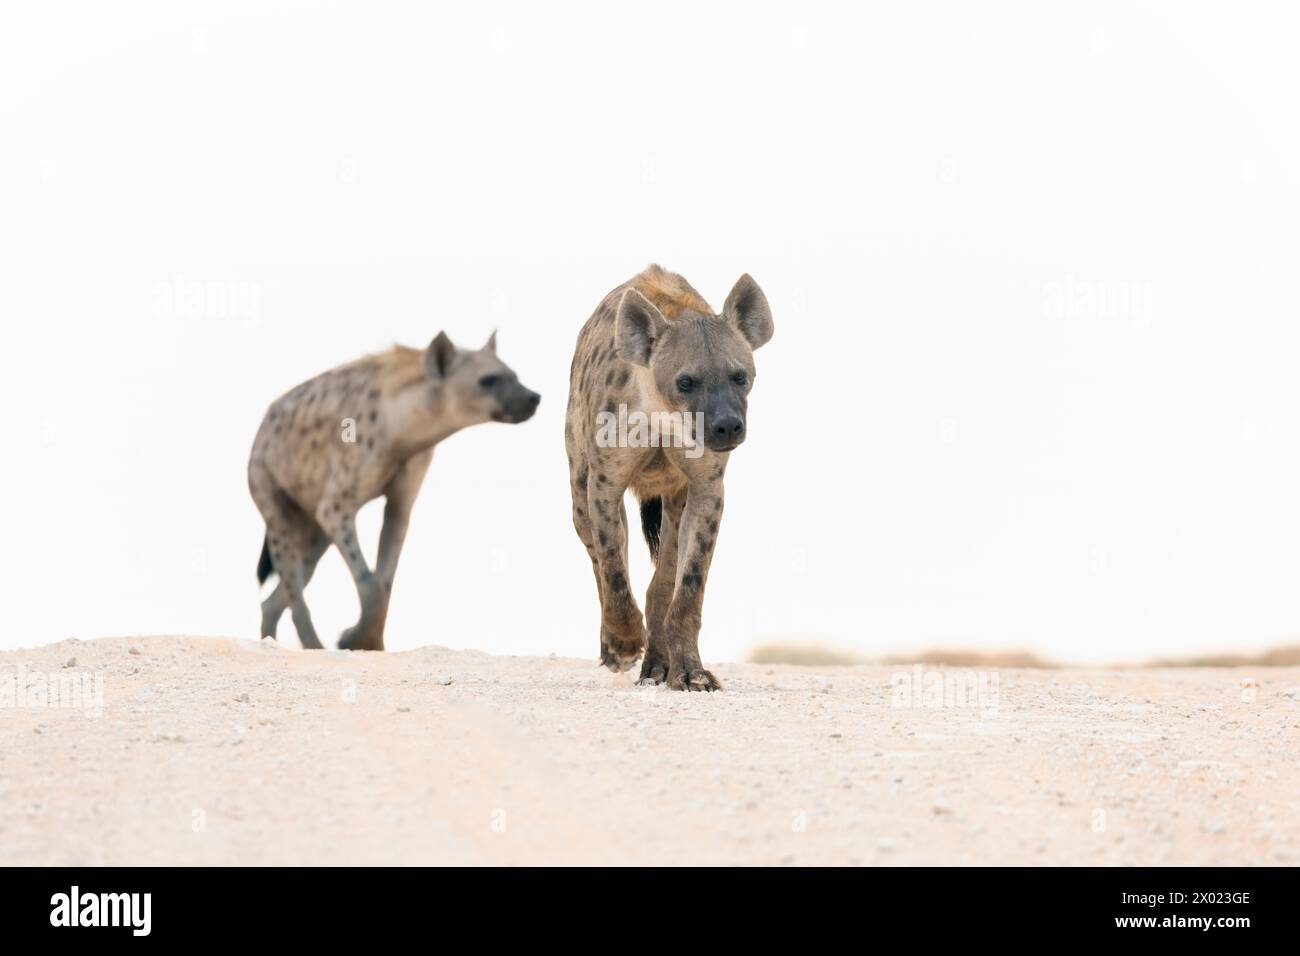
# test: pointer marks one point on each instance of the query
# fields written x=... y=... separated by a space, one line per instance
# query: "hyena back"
x=348 y=436
x=655 y=348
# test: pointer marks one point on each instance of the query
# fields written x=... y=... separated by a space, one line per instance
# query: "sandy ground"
x=215 y=751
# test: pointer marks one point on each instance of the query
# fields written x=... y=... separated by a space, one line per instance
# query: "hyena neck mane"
x=669 y=293
x=399 y=368
x=418 y=410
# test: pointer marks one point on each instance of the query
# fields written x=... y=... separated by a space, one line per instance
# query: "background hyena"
x=655 y=346
x=348 y=436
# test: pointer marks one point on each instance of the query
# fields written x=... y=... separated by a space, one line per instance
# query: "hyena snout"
x=517 y=405
x=724 y=432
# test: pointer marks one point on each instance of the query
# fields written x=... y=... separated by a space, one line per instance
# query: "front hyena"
x=348 y=436
x=656 y=349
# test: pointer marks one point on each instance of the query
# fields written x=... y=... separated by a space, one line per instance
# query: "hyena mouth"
x=723 y=448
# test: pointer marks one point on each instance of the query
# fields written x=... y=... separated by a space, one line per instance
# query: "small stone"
x=133 y=649
x=403 y=710
x=940 y=808
x=70 y=662
x=443 y=681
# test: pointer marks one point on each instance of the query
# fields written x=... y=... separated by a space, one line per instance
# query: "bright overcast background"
x=1034 y=275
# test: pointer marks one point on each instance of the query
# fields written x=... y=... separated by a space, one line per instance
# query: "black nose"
x=533 y=399
x=727 y=428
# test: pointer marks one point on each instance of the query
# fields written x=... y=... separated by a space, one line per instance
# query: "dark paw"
x=615 y=662
x=358 y=638
x=619 y=652
x=655 y=675
x=696 y=679
x=654 y=670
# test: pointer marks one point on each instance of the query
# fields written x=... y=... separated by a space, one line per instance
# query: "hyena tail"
x=652 y=516
x=264 y=566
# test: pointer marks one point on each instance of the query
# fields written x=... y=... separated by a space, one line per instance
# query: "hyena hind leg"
x=277 y=602
x=291 y=538
x=293 y=578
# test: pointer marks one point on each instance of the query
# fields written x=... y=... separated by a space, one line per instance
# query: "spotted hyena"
x=348 y=436
x=657 y=398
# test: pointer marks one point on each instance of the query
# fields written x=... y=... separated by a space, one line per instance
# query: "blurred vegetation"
x=819 y=654
x=1285 y=656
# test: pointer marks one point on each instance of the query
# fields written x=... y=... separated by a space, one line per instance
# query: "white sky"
x=953 y=439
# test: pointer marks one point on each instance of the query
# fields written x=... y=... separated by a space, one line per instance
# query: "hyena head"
x=701 y=364
x=477 y=385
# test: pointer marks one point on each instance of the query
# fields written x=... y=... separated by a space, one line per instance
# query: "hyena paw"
x=695 y=679
x=655 y=674
x=358 y=638
x=654 y=670
x=619 y=652
x=616 y=662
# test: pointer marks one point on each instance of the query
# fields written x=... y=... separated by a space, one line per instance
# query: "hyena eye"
x=740 y=378
x=487 y=382
x=685 y=383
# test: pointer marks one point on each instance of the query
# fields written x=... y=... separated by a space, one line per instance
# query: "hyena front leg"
x=399 y=498
x=622 y=630
x=368 y=634
x=696 y=539
x=337 y=515
x=654 y=669
x=587 y=535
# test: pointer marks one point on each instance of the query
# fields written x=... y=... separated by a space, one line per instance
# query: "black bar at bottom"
x=338 y=905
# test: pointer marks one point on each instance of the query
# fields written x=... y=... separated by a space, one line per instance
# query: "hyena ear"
x=637 y=325
x=438 y=356
x=491 y=343
x=746 y=308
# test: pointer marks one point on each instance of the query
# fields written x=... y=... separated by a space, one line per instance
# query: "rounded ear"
x=637 y=324
x=438 y=356
x=746 y=308
x=491 y=343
